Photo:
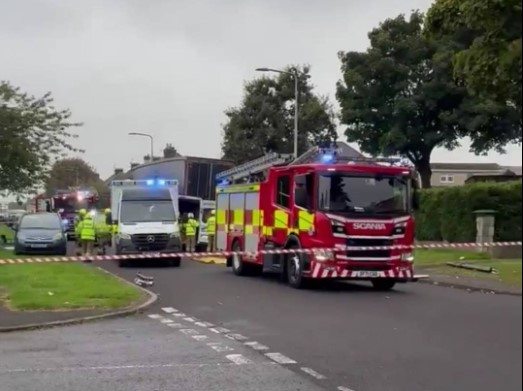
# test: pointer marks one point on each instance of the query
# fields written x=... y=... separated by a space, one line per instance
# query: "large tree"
x=264 y=121
x=32 y=134
x=486 y=38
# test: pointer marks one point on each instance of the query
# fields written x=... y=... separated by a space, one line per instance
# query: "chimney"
x=134 y=165
x=118 y=171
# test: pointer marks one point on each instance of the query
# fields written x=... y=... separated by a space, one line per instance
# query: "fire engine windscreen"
x=69 y=204
x=143 y=211
x=370 y=195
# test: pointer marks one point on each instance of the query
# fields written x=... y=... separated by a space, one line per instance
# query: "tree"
x=32 y=134
x=487 y=56
x=70 y=173
x=170 y=151
x=400 y=97
x=264 y=121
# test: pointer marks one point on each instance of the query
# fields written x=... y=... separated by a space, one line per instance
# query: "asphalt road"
x=418 y=337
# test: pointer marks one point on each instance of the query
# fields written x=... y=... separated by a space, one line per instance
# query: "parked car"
x=40 y=233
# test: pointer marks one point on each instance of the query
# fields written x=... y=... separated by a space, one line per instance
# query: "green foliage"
x=399 y=96
x=447 y=213
x=485 y=36
x=264 y=121
x=32 y=134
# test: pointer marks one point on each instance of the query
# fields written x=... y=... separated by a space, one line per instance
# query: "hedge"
x=447 y=213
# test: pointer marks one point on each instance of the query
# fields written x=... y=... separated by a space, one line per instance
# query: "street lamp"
x=294 y=74
x=145 y=135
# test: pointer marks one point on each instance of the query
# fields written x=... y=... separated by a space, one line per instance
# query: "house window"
x=447 y=179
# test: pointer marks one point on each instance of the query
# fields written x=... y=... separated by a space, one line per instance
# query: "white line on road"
x=256 y=345
x=313 y=373
x=155 y=316
x=204 y=324
x=189 y=331
x=179 y=314
x=169 y=310
x=236 y=337
x=190 y=320
x=238 y=359
x=200 y=337
x=219 y=347
x=344 y=389
x=166 y=321
x=175 y=325
x=280 y=358
x=219 y=330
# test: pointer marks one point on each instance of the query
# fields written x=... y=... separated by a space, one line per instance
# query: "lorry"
x=201 y=210
x=146 y=214
x=327 y=207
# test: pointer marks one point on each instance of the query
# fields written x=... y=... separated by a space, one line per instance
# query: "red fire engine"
x=320 y=205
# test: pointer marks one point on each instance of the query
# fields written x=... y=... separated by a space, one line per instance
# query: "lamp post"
x=145 y=135
x=294 y=74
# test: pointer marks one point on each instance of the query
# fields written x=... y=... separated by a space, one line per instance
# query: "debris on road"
x=143 y=280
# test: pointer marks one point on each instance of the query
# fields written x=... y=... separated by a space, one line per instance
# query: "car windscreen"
x=363 y=194
x=143 y=211
x=37 y=221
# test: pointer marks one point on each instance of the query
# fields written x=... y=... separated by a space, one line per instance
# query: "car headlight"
x=124 y=236
x=323 y=255
x=58 y=236
x=407 y=257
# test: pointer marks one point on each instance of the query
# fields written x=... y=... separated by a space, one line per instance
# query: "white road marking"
x=190 y=320
x=256 y=345
x=236 y=337
x=219 y=347
x=200 y=337
x=169 y=310
x=280 y=358
x=204 y=324
x=175 y=325
x=166 y=321
x=219 y=330
x=313 y=373
x=189 y=331
x=179 y=314
x=238 y=359
x=344 y=389
x=155 y=316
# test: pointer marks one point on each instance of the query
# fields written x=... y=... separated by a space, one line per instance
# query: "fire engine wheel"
x=238 y=266
x=383 y=284
x=294 y=267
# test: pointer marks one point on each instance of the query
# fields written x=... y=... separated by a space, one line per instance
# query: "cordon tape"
x=193 y=255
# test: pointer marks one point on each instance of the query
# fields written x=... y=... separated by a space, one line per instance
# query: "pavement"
x=338 y=336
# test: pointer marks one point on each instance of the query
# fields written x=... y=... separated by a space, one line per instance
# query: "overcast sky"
x=171 y=68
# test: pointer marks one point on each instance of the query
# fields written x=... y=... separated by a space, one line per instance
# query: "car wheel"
x=383 y=284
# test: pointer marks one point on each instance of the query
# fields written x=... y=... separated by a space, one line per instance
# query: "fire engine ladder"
x=254 y=167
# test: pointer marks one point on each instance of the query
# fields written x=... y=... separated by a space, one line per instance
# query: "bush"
x=447 y=213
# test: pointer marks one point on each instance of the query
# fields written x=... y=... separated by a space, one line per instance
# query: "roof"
x=471 y=167
x=515 y=169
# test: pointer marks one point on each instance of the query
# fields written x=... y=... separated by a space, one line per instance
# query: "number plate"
x=366 y=274
x=38 y=245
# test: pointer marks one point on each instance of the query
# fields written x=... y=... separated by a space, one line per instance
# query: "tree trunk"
x=425 y=173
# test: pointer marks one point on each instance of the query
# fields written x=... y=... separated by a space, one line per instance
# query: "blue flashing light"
x=150 y=182
x=161 y=182
x=327 y=158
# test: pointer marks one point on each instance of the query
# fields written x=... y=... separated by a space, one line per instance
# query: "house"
x=458 y=174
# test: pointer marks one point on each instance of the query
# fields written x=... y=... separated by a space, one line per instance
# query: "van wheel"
x=383 y=284
x=176 y=262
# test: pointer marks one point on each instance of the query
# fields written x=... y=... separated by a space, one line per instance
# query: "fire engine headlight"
x=407 y=257
x=323 y=255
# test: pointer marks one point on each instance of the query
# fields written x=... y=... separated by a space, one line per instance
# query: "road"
x=212 y=330
x=419 y=337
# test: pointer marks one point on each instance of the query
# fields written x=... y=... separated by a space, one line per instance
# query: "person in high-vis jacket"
x=104 y=232
x=87 y=231
x=191 y=226
x=77 y=221
x=210 y=228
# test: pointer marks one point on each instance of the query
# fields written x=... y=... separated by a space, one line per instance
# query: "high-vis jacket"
x=87 y=229
x=190 y=227
x=211 y=225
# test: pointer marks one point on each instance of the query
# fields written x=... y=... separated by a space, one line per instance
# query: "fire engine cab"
x=328 y=207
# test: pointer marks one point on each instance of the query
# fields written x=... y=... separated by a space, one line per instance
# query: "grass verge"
x=508 y=270
x=62 y=286
x=7 y=233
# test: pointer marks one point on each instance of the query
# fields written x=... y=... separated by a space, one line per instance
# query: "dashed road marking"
x=238 y=359
x=219 y=330
x=169 y=310
x=190 y=320
x=166 y=321
x=344 y=389
x=155 y=316
x=179 y=314
x=313 y=373
x=200 y=338
x=175 y=325
x=189 y=331
x=219 y=347
x=256 y=345
x=204 y=324
x=280 y=358
x=236 y=337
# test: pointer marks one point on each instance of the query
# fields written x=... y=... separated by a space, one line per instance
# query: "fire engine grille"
x=369 y=253
x=150 y=242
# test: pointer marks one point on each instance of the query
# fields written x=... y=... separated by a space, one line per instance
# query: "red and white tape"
x=188 y=255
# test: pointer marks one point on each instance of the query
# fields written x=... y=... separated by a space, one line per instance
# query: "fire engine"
x=332 y=204
x=67 y=203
